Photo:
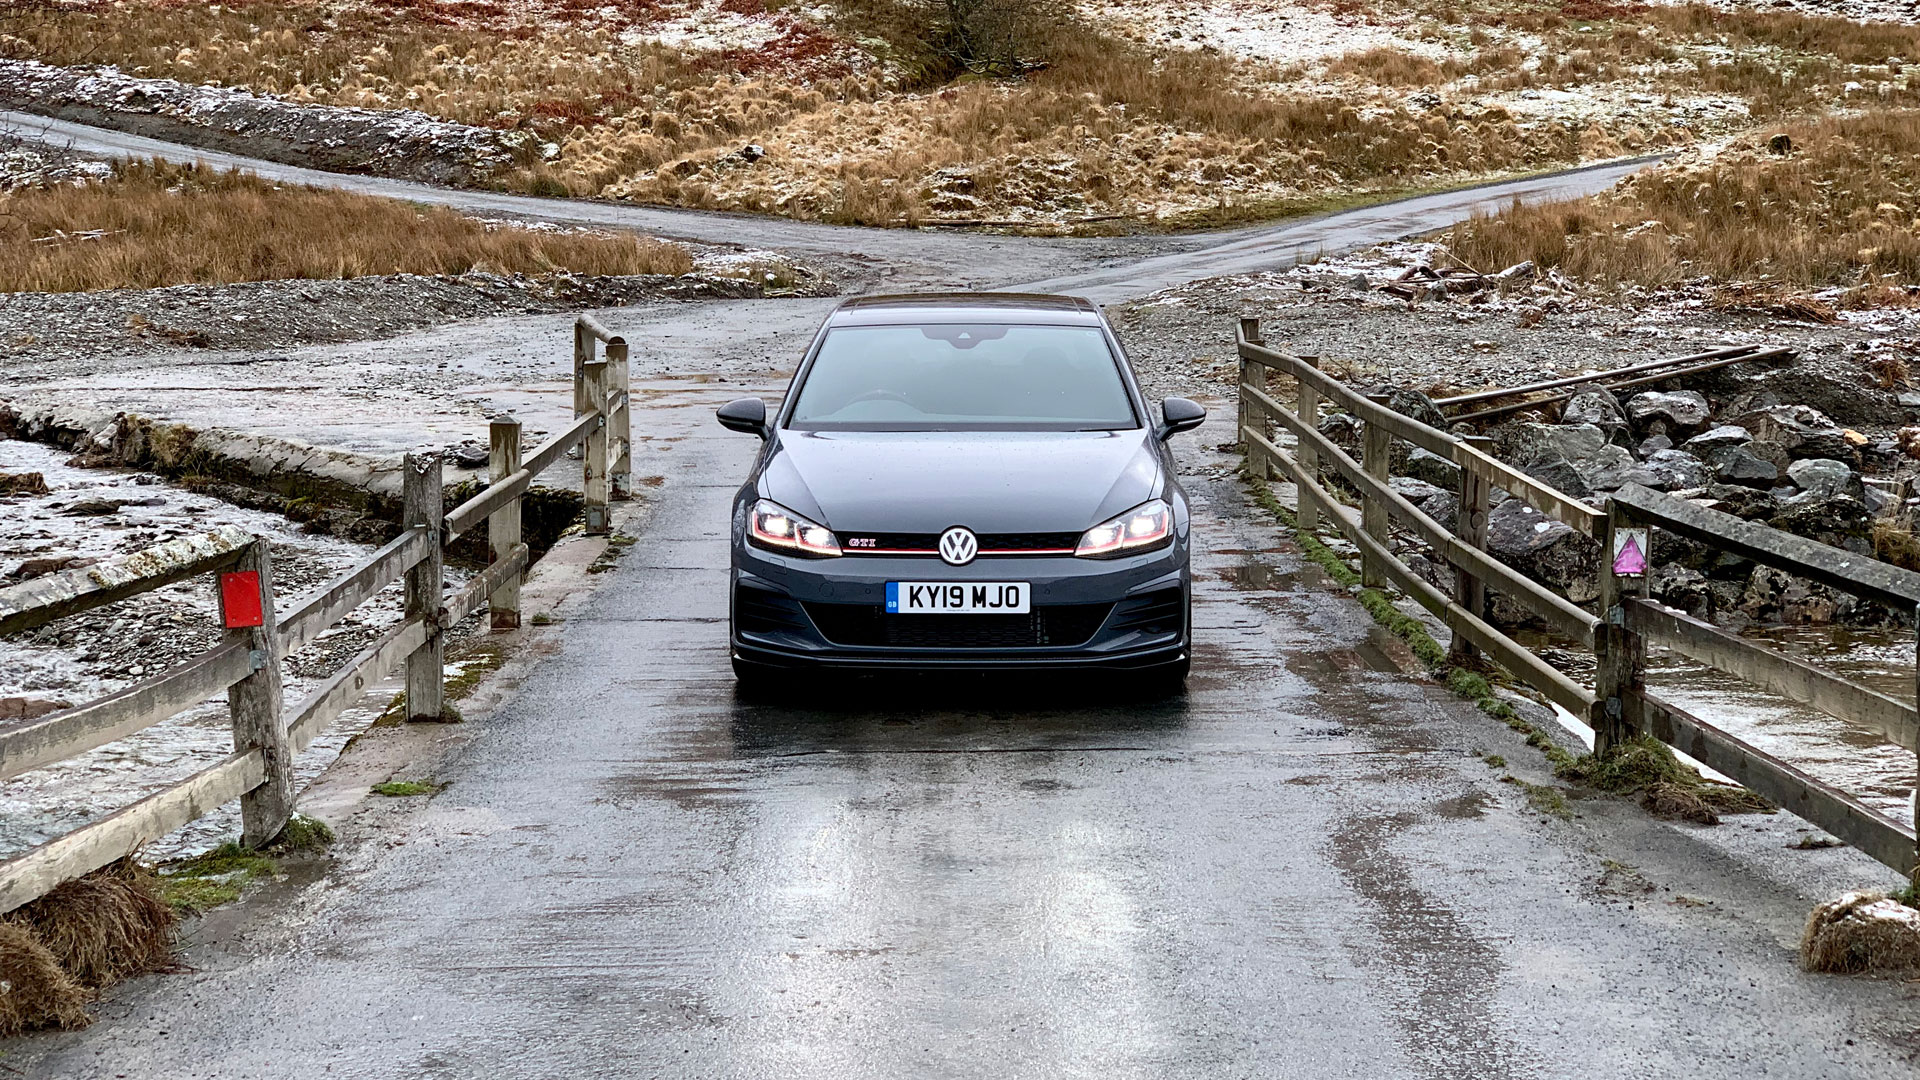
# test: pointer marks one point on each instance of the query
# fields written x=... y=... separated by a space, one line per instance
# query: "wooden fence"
x=1619 y=706
x=267 y=734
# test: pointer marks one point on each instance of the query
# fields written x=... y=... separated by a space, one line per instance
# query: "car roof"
x=962 y=307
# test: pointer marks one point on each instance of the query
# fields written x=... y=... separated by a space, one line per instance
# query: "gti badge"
x=958 y=546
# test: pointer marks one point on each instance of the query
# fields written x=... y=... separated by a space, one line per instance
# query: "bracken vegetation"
x=150 y=225
x=908 y=111
x=1838 y=207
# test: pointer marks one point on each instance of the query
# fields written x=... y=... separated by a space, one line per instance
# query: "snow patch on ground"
x=1271 y=30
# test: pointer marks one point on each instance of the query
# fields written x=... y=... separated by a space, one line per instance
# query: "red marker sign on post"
x=240 y=599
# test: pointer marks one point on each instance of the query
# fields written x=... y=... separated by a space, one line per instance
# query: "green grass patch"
x=303 y=833
x=1645 y=766
x=405 y=789
x=218 y=877
x=1495 y=761
x=1544 y=798
x=617 y=545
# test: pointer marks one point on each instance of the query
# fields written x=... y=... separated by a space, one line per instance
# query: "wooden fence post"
x=1376 y=450
x=1470 y=525
x=503 y=525
x=620 y=471
x=1913 y=875
x=1251 y=374
x=1621 y=654
x=423 y=503
x=593 y=384
x=1307 y=510
x=254 y=704
x=582 y=352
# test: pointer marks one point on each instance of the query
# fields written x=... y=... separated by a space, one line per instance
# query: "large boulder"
x=1725 y=450
x=1820 y=478
x=1735 y=465
x=1670 y=470
x=1784 y=434
x=1718 y=437
x=1673 y=414
x=1418 y=406
x=1431 y=467
x=1840 y=521
x=1560 y=475
x=1608 y=469
x=1544 y=549
x=1597 y=406
x=1750 y=504
x=1525 y=444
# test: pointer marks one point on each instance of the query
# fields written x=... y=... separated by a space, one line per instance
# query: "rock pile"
x=1786 y=465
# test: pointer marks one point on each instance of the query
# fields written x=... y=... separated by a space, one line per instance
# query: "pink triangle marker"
x=1631 y=562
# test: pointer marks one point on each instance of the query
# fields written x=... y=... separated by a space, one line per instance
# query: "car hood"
x=988 y=481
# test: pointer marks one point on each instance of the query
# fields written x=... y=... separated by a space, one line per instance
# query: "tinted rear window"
x=964 y=377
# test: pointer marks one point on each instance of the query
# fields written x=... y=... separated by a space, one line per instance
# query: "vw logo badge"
x=958 y=546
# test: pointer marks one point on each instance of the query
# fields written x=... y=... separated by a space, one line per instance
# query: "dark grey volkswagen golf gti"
x=962 y=482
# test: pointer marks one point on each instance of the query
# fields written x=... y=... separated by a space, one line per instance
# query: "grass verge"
x=155 y=224
x=1835 y=208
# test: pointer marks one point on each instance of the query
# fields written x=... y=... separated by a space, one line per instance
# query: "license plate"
x=958 y=598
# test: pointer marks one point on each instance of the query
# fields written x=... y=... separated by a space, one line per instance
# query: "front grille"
x=1154 y=613
x=1056 y=625
x=930 y=542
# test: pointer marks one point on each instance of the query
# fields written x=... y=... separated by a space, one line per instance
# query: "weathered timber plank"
x=486 y=583
x=333 y=697
x=1895 y=720
x=1534 y=671
x=352 y=588
x=70 y=592
x=29 y=744
x=1405 y=427
x=31 y=875
x=1858 y=574
x=1550 y=501
x=481 y=506
x=1794 y=791
x=596 y=328
x=1562 y=614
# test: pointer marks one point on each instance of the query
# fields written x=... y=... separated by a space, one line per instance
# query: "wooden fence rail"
x=246 y=664
x=1619 y=705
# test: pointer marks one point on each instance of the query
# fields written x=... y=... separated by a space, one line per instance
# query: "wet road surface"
x=1302 y=869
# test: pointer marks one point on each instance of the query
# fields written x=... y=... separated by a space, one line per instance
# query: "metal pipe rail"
x=246 y=665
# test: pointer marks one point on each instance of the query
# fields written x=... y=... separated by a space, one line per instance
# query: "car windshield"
x=964 y=377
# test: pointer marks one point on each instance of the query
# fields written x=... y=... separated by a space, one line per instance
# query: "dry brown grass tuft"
x=1839 y=210
x=104 y=927
x=152 y=225
x=1861 y=931
x=36 y=994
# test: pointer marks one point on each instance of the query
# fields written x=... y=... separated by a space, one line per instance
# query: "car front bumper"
x=1127 y=613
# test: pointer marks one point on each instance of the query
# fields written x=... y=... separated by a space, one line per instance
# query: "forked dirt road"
x=1303 y=869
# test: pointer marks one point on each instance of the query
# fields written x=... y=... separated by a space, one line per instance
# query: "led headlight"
x=770 y=525
x=1147 y=526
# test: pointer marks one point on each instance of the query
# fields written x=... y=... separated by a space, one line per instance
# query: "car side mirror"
x=748 y=414
x=1177 y=414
